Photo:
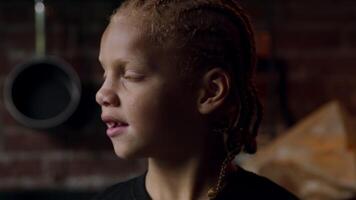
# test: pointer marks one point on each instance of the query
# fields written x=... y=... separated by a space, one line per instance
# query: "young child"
x=178 y=90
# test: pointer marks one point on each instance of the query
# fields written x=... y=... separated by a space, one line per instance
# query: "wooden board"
x=315 y=159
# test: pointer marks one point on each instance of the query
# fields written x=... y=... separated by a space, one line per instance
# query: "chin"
x=126 y=153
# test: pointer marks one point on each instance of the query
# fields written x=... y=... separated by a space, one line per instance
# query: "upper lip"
x=111 y=121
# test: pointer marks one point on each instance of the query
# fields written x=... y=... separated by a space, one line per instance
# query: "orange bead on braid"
x=211 y=33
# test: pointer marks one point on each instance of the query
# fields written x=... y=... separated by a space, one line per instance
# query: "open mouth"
x=112 y=124
x=115 y=128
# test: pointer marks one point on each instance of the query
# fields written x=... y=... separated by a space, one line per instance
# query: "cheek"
x=154 y=108
x=141 y=106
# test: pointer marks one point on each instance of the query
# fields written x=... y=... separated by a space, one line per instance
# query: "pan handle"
x=40 y=13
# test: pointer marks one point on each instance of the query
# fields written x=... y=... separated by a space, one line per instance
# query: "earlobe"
x=214 y=90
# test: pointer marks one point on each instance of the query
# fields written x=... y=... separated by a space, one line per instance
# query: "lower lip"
x=115 y=131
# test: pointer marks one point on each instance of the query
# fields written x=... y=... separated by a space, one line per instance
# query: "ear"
x=214 y=90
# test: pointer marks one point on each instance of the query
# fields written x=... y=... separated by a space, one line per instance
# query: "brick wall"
x=316 y=40
x=81 y=158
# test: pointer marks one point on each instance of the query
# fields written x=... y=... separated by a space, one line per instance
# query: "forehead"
x=127 y=39
x=120 y=39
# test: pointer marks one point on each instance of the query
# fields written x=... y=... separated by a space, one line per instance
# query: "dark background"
x=308 y=58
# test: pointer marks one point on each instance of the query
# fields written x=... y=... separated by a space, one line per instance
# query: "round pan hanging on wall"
x=44 y=92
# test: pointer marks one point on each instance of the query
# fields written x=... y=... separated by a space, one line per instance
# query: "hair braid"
x=259 y=115
x=249 y=102
x=250 y=145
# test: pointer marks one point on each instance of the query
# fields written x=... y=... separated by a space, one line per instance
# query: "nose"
x=107 y=97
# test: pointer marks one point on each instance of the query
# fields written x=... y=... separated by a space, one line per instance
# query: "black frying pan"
x=43 y=92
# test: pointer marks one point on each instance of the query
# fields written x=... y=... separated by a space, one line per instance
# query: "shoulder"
x=244 y=184
x=122 y=190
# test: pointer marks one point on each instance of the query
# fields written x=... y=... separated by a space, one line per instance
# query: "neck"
x=186 y=176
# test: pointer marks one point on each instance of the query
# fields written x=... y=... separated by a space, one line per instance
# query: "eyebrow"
x=118 y=63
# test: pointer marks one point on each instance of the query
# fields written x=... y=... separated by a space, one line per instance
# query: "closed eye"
x=133 y=76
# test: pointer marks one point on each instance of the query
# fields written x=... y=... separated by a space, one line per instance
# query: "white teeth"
x=111 y=124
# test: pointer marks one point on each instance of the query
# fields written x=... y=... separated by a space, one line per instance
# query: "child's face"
x=142 y=89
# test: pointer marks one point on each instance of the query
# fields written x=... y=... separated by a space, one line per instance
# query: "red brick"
x=316 y=11
x=256 y=10
x=62 y=170
x=107 y=168
x=322 y=66
x=19 y=36
x=16 y=12
x=351 y=37
x=305 y=40
x=23 y=139
x=307 y=95
x=263 y=83
x=7 y=118
x=21 y=168
x=4 y=68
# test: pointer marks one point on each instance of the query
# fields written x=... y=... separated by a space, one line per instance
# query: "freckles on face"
x=149 y=94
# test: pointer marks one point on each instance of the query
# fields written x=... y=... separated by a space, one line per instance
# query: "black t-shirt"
x=241 y=185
